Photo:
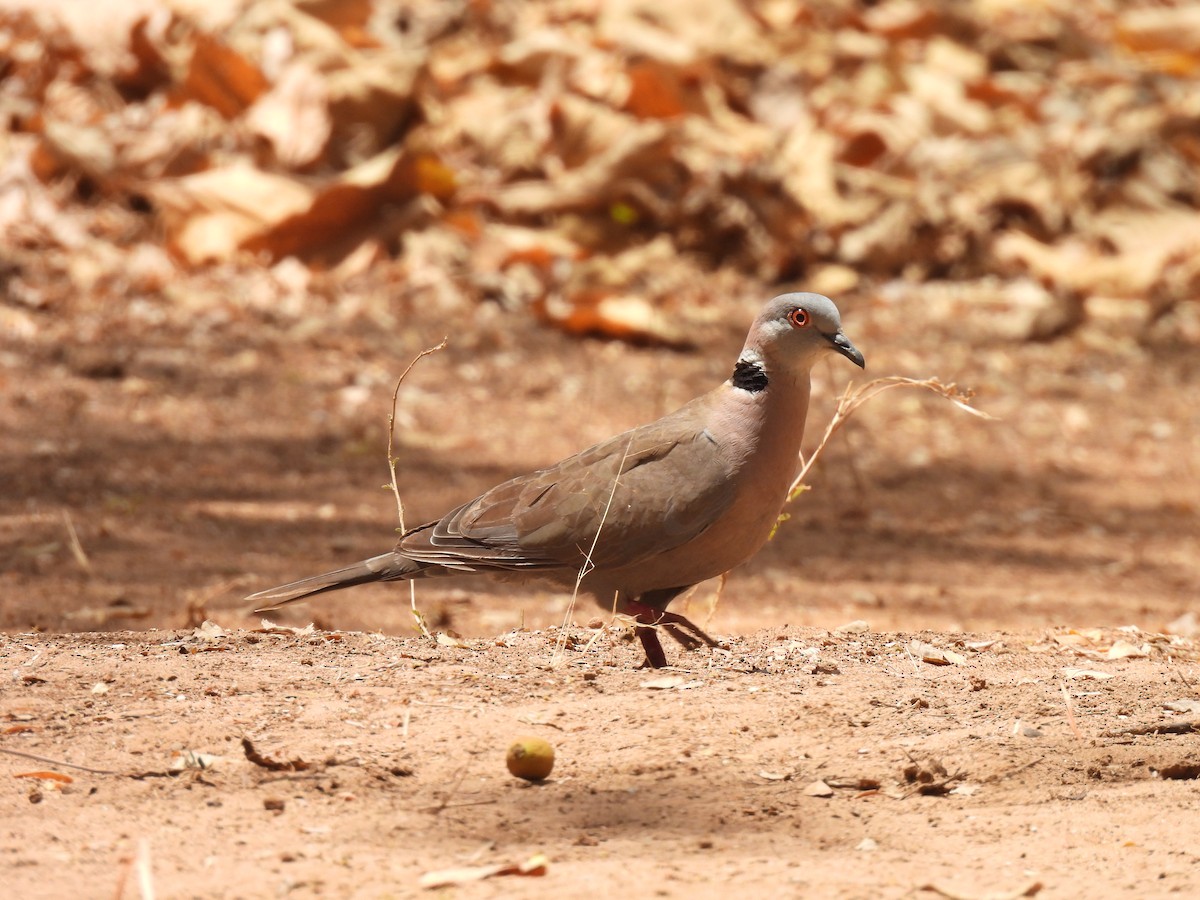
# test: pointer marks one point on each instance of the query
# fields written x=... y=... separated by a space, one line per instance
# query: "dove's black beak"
x=842 y=345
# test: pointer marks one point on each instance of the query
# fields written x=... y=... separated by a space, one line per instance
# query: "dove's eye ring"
x=799 y=318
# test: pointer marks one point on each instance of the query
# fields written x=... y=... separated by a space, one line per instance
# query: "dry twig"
x=412 y=586
x=1190 y=726
x=560 y=643
x=271 y=765
x=76 y=547
x=56 y=762
x=447 y=796
x=854 y=397
x=1070 y=712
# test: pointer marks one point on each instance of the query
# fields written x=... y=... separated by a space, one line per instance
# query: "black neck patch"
x=749 y=375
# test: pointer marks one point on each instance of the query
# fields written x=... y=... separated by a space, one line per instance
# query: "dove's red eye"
x=799 y=318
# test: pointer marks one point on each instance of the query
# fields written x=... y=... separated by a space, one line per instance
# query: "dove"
x=642 y=517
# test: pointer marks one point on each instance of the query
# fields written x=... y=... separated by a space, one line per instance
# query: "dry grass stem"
x=710 y=603
x=122 y=877
x=716 y=600
x=561 y=642
x=592 y=640
x=418 y=617
x=76 y=547
x=854 y=397
x=56 y=762
x=143 y=870
x=1070 y=712
x=196 y=601
x=449 y=795
x=392 y=427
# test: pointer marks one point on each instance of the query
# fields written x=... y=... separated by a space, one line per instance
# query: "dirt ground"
x=156 y=471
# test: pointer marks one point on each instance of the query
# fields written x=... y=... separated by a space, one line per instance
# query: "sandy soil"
x=199 y=460
x=796 y=763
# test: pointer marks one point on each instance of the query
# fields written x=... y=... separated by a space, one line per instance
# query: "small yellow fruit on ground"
x=530 y=758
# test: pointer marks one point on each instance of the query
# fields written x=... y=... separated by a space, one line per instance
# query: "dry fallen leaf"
x=209 y=216
x=450 y=639
x=1125 y=650
x=193 y=760
x=94 y=617
x=1164 y=39
x=980 y=646
x=221 y=77
x=266 y=626
x=534 y=866
x=818 y=789
x=57 y=777
x=621 y=316
x=858 y=626
x=1187 y=705
x=1030 y=889
x=342 y=212
x=209 y=630
x=935 y=655
x=671 y=683
x=294 y=115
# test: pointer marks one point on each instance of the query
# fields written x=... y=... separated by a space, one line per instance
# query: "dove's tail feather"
x=386 y=567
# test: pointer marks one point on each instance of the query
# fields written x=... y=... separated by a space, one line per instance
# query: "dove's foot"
x=689 y=635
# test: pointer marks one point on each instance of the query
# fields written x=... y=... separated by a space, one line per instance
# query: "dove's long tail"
x=389 y=566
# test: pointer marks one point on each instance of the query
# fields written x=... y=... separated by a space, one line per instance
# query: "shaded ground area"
x=194 y=471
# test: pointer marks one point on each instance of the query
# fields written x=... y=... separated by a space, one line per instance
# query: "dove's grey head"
x=791 y=333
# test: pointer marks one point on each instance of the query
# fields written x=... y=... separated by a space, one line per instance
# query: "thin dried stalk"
x=57 y=762
x=76 y=546
x=854 y=397
x=588 y=565
x=1070 y=711
x=418 y=616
